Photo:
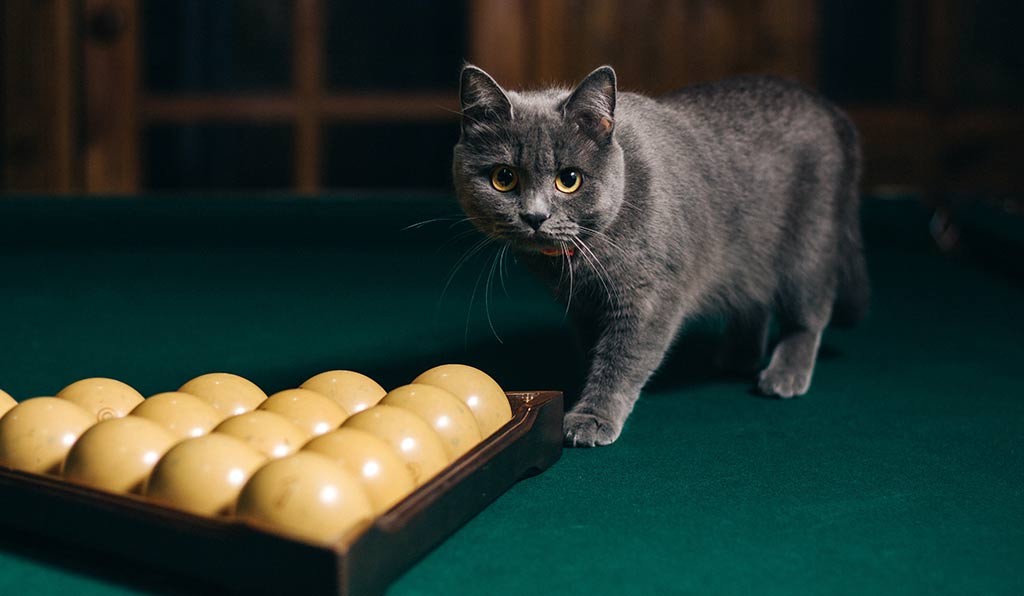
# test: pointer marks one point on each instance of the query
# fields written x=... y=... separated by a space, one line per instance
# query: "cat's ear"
x=483 y=100
x=592 y=104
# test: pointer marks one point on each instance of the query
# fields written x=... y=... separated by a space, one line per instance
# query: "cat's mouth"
x=540 y=241
x=547 y=246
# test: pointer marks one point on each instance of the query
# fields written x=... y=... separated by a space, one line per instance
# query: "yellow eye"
x=568 y=180
x=504 y=178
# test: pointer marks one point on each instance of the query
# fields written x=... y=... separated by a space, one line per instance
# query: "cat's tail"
x=853 y=295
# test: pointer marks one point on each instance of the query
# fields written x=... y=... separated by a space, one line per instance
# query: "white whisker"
x=459 y=263
x=603 y=237
x=472 y=298
x=567 y=264
x=458 y=236
x=599 y=269
x=487 y=295
x=463 y=220
x=501 y=268
x=420 y=224
x=458 y=112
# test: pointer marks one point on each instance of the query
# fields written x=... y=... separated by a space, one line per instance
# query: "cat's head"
x=539 y=168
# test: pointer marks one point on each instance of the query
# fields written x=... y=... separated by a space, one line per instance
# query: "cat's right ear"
x=592 y=104
x=484 y=102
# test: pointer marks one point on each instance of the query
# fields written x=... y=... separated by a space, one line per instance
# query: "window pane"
x=218 y=156
x=216 y=46
x=395 y=155
x=397 y=45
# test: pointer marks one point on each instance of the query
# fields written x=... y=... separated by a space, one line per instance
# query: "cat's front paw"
x=783 y=382
x=588 y=430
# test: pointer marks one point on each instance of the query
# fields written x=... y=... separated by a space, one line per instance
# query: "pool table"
x=902 y=471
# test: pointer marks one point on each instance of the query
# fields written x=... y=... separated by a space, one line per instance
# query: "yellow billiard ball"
x=307 y=496
x=117 y=455
x=409 y=436
x=310 y=411
x=204 y=475
x=382 y=473
x=6 y=402
x=104 y=398
x=450 y=418
x=185 y=416
x=476 y=389
x=270 y=433
x=353 y=391
x=36 y=434
x=227 y=393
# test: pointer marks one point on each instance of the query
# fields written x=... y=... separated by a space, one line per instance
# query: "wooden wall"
x=926 y=143
x=73 y=106
x=39 y=83
x=654 y=45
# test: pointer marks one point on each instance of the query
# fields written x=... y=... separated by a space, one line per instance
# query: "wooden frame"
x=40 y=113
x=74 y=107
x=114 y=167
x=111 y=96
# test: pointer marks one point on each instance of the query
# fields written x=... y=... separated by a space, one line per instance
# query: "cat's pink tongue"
x=557 y=252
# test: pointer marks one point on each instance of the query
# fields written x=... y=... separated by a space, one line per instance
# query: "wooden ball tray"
x=218 y=555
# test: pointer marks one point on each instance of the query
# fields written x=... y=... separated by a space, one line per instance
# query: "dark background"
x=128 y=96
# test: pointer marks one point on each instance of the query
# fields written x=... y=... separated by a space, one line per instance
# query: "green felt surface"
x=901 y=472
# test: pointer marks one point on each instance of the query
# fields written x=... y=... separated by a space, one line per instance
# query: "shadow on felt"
x=541 y=358
x=101 y=566
x=691 y=364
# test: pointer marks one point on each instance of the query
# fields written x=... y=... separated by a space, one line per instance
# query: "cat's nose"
x=534 y=219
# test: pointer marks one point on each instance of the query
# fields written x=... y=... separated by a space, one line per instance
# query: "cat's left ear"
x=592 y=104
x=483 y=100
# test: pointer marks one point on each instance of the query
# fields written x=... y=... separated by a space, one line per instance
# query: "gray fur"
x=736 y=198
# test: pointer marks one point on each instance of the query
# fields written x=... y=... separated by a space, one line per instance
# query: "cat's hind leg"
x=804 y=312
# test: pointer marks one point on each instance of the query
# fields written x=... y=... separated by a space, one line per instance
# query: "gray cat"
x=736 y=198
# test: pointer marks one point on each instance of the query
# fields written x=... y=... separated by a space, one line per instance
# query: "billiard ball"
x=476 y=389
x=353 y=391
x=270 y=433
x=450 y=418
x=36 y=434
x=185 y=416
x=6 y=402
x=227 y=393
x=104 y=398
x=310 y=411
x=307 y=496
x=413 y=440
x=382 y=473
x=204 y=475
x=117 y=455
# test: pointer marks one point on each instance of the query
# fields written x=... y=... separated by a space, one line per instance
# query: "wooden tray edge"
x=208 y=548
